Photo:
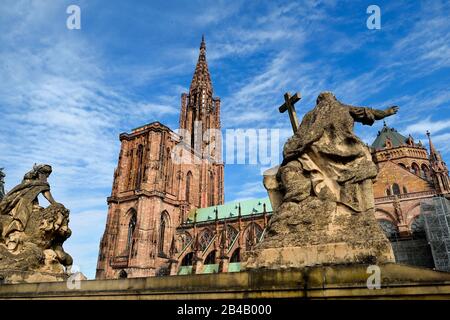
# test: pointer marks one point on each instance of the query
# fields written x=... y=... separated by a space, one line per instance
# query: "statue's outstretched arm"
x=49 y=197
x=381 y=114
x=368 y=115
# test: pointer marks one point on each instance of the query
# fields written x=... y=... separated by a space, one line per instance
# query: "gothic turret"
x=439 y=169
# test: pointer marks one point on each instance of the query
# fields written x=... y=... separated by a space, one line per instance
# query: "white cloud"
x=427 y=124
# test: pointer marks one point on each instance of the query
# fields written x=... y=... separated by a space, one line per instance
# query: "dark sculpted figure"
x=2 y=184
x=20 y=202
x=322 y=193
x=31 y=236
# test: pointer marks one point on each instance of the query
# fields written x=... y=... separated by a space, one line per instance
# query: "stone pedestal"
x=14 y=276
x=312 y=255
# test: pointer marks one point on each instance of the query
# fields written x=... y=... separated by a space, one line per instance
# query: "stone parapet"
x=324 y=282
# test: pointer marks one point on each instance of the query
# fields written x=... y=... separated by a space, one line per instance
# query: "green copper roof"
x=210 y=268
x=234 y=267
x=396 y=138
x=185 y=270
x=230 y=210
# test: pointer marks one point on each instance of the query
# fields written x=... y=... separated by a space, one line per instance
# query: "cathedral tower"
x=152 y=193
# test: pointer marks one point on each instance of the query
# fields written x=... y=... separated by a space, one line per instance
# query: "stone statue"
x=2 y=184
x=31 y=236
x=322 y=194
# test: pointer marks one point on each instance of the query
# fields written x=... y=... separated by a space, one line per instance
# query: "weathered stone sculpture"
x=31 y=237
x=322 y=194
x=2 y=184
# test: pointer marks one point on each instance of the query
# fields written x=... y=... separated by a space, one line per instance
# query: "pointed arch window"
x=169 y=173
x=188 y=187
x=396 y=189
x=236 y=256
x=140 y=153
x=205 y=239
x=426 y=171
x=415 y=169
x=163 y=225
x=253 y=235
x=188 y=259
x=211 y=188
x=211 y=258
x=131 y=229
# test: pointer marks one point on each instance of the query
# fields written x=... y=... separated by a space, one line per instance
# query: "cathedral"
x=168 y=217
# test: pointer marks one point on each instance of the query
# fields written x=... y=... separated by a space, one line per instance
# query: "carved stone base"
x=323 y=254
x=12 y=276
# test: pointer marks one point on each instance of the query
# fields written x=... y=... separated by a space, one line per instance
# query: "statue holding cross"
x=288 y=106
x=322 y=193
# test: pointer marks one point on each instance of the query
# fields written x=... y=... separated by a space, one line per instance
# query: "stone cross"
x=288 y=105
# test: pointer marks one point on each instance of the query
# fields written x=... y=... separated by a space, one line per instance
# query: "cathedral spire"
x=434 y=155
x=201 y=79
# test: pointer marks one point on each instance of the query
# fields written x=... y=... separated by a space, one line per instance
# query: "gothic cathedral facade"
x=152 y=193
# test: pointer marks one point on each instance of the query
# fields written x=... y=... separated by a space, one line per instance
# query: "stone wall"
x=331 y=282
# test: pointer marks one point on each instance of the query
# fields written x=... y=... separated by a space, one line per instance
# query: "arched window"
x=169 y=173
x=131 y=228
x=140 y=152
x=426 y=171
x=236 y=256
x=205 y=239
x=188 y=186
x=185 y=239
x=415 y=168
x=211 y=258
x=405 y=190
x=163 y=224
x=211 y=189
x=123 y=274
x=188 y=259
x=388 y=191
x=402 y=165
x=395 y=189
x=252 y=235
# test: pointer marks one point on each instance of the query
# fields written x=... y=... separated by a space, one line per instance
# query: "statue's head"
x=2 y=174
x=325 y=96
x=39 y=171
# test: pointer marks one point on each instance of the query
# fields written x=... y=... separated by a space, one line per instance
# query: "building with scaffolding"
x=436 y=214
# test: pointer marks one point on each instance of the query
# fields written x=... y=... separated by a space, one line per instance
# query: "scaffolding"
x=436 y=212
x=415 y=252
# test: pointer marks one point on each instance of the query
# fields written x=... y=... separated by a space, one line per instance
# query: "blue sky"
x=65 y=95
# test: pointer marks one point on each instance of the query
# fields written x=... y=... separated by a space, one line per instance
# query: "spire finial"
x=384 y=123
x=203 y=44
x=433 y=154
